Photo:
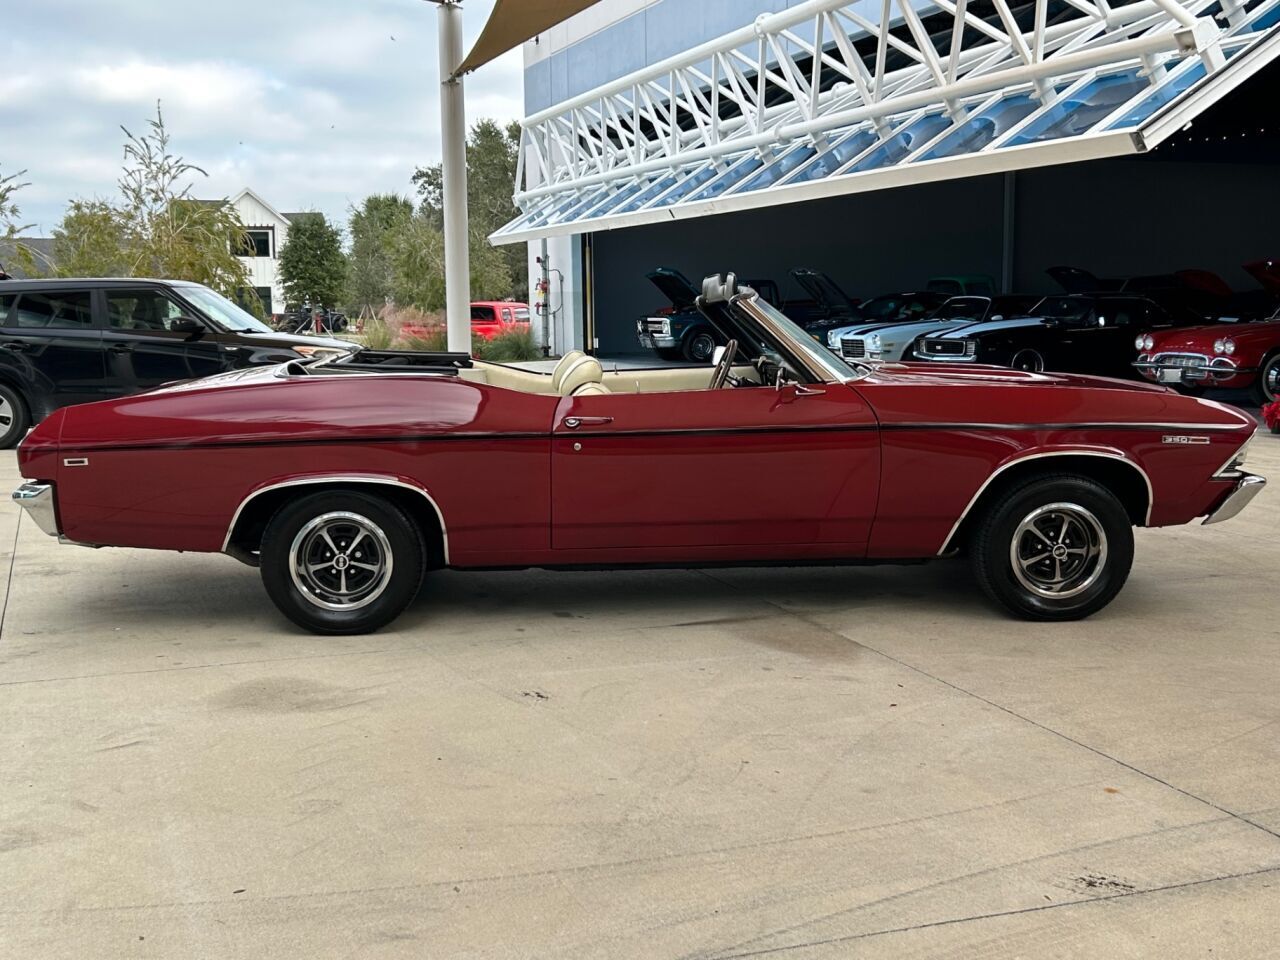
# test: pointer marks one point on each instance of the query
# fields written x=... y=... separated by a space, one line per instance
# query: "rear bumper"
x=37 y=500
x=1241 y=495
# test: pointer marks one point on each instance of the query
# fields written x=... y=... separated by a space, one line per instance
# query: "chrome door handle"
x=573 y=423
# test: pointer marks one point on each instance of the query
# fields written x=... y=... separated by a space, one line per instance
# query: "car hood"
x=1267 y=273
x=1201 y=339
x=823 y=290
x=295 y=340
x=675 y=287
x=909 y=330
x=981 y=327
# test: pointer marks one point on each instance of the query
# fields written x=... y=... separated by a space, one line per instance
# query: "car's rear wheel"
x=699 y=346
x=1056 y=548
x=1266 y=389
x=14 y=417
x=342 y=562
x=1029 y=360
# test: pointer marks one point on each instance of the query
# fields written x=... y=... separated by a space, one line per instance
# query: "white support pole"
x=453 y=135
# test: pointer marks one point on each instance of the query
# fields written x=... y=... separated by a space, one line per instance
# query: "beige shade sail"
x=515 y=21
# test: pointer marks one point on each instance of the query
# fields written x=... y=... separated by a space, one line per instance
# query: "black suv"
x=74 y=341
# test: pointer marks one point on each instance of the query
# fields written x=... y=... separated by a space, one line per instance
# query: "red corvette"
x=346 y=481
x=1246 y=356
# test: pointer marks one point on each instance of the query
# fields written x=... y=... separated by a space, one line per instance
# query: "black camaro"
x=1081 y=333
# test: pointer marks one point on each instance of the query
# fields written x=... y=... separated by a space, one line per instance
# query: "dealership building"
x=885 y=142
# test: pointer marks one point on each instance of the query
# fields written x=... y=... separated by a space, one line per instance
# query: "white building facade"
x=267 y=231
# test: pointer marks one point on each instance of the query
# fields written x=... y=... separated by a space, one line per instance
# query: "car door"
x=484 y=322
x=143 y=347
x=698 y=473
x=51 y=347
x=1111 y=339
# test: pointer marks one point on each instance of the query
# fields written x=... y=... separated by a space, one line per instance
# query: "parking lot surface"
x=801 y=763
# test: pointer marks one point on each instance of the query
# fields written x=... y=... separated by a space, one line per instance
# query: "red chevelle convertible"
x=345 y=481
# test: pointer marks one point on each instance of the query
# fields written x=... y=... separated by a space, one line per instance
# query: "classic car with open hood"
x=346 y=480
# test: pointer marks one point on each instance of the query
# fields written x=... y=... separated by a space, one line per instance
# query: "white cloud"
x=316 y=106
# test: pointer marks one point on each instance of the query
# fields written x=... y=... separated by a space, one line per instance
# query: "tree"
x=156 y=228
x=9 y=212
x=370 y=268
x=11 y=226
x=493 y=154
x=312 y=266
x=89 y=242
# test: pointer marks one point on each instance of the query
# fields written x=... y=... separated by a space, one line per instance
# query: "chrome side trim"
x=1246 y=488
x=312 y=481
x=37 y=500
x=1151 y=497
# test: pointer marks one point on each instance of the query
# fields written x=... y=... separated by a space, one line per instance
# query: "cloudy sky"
x=313 y=103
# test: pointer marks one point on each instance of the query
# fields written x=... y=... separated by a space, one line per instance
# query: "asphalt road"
x=809 y=763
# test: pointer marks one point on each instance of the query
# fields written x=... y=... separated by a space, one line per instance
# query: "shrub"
x=512 y=347
x=378 y=334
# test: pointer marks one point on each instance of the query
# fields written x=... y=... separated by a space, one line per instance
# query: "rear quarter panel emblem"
x=1184 y=441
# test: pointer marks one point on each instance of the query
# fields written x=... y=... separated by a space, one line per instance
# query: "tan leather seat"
x=585 y=377
x=567 y=361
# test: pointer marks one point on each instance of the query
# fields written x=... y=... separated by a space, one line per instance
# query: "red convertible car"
x=345 y=481
x=1245 y=356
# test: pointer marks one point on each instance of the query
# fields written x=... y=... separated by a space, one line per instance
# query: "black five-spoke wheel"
x=342 y=562
x=1054 y=548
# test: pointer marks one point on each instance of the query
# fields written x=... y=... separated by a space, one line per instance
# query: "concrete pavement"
x=809 y=763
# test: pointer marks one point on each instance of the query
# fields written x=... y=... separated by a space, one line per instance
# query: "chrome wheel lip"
x=1271 y=379
x=1040 y=572
x=314 y=591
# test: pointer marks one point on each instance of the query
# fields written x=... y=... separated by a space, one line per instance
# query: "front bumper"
x=37 y=500
x=1247 y=487
x=1191 y=373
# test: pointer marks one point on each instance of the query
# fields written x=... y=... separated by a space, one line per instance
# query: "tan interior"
x=624 y=381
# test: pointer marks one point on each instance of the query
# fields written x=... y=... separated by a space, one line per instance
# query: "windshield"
x=801 y=342
x=223 y=312
x=1064 y=308
x=962 y=309
x=882 y=307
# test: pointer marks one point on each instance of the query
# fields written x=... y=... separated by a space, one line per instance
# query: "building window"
x=255 y=242
x=264 y=294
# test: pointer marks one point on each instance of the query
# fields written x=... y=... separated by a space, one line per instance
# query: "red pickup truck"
x=489 y=319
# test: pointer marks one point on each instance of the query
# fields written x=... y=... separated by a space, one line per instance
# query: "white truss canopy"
x=834 y=97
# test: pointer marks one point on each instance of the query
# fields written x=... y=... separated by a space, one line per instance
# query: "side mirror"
x=192 y=328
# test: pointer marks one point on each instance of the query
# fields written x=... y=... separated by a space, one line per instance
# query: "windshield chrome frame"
x=818 y=362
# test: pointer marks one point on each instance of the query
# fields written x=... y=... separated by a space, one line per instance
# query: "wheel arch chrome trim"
x=367 y=479
x=1044 y=455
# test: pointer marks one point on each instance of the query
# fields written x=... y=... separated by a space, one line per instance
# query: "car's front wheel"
x=1029 y=360
x=1056 y=548
x=342 y=562
x=699 y=346
x=1266 y=388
